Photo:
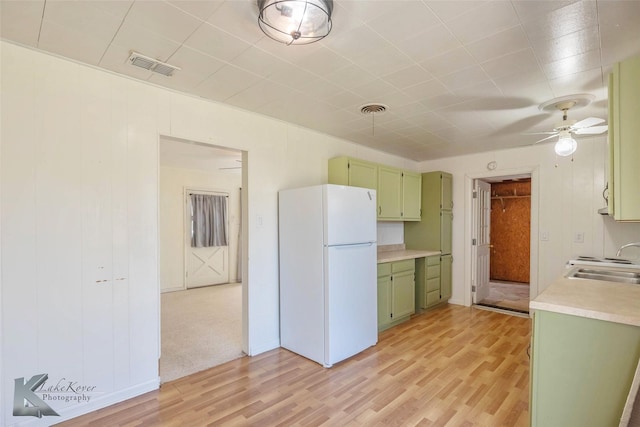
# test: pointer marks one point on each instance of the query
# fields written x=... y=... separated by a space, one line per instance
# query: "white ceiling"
x=457 y=76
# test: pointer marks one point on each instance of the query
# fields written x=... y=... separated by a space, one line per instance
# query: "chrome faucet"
x=637 y=244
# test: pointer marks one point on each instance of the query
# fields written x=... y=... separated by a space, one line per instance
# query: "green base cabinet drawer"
x=433 y=298
x=384 y=269
x=429 y=281
x=433 y=284
x=406 y=265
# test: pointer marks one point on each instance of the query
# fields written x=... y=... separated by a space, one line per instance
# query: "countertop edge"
x=581 y=312
x=391 y=256
x=593 y=299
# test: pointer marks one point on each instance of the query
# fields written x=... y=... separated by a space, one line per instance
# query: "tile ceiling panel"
x=429 y=43
x=457 y=76
x=21 y=20
x=70 y=42
x=449 y=62
x=512 y=64
x=163 y=18
x=198 y=8
x=501 y=43
x=217 y=43
x=483 y=21
x=239 y=18
x=405 y=21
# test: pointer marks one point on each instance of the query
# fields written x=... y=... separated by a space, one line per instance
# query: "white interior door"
x=482 y=238
x=203 y=266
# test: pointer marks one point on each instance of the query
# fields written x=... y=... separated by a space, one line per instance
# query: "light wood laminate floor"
x=453 y=366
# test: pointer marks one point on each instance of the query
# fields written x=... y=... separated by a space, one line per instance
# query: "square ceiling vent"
x=151 y=64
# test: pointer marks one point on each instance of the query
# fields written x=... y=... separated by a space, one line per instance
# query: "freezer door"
x=351 y=322
x=350 y=214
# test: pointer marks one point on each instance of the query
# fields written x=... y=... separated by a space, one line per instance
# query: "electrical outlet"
x=544 y=236
x=578 y=237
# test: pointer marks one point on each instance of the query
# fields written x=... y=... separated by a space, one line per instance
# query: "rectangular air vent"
x=152 y=64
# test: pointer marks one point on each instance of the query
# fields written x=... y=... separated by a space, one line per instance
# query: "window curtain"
x=208 y=220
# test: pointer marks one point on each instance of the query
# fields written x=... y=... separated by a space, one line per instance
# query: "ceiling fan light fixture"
x=566 y=145
x=295 y=21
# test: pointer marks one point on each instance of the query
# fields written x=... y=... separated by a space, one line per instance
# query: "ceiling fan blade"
x=544 y=139
x=540 y=133
x=593 y=130
x=589 y=121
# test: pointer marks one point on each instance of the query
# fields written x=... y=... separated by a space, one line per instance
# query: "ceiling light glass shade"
x=566 y=145
x=295 y=21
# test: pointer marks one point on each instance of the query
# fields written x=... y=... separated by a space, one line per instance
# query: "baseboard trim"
x=501 y=310
x=263 y=347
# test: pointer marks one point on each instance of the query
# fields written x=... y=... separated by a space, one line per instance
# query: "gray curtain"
x=208 y=220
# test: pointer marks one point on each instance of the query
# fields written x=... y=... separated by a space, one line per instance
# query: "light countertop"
x=595 y=299
x=393 y=253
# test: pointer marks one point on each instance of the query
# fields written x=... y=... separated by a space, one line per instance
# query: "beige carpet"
x=508 y=295
x=200 y=328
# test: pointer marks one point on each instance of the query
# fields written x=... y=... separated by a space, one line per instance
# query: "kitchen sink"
x=607 y=275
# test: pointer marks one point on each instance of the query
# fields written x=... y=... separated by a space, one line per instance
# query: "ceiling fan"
x=566 y=145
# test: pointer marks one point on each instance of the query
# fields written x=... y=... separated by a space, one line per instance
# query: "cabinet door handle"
x=379 y=210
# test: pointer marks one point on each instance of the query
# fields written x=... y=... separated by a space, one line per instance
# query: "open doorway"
x=502 y=243
x=200 y=276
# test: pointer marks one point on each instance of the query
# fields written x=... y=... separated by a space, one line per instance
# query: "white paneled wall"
x=569 y=195
x=80 y=233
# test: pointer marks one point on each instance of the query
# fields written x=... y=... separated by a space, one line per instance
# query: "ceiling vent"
x=152 y=64
x=373 y=108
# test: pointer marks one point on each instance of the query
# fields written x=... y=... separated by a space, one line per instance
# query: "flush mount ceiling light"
x=295 y=21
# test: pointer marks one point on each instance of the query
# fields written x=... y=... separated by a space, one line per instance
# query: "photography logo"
x=26 y=402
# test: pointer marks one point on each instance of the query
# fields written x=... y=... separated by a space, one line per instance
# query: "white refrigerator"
x=328 y=274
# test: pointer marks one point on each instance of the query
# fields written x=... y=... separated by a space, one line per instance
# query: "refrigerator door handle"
x=350 y=245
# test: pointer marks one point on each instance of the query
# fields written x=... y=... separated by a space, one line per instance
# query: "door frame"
x=534 y=171
x=478 y=212
x=187 y=221
x=243 y=241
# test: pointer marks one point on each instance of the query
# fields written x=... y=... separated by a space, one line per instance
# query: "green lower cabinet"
x=446 y=264
x=581 y=370
x=396 y=292
x=433 y=281
x=403 y=291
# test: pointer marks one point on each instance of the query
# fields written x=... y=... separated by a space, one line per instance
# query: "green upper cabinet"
x=399 y=192
x=624 y=141
x=411 y=196
x=353 y=172
x=434 y=231
x=446 y=191
x=389 y=193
